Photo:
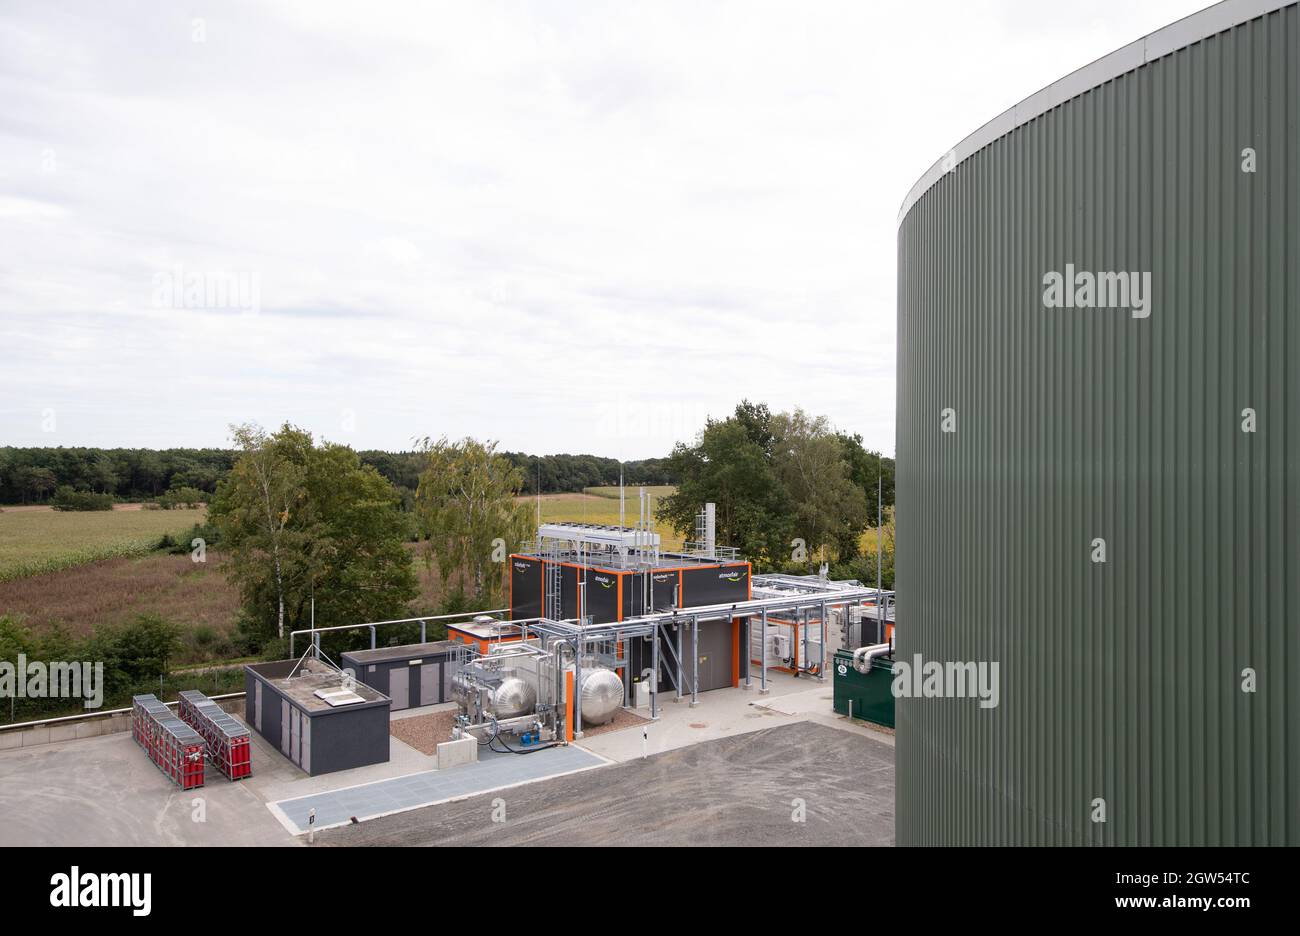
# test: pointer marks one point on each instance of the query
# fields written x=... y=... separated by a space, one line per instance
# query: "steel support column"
x=677 y=626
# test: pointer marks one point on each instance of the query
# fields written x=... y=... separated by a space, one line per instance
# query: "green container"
x=869 y=695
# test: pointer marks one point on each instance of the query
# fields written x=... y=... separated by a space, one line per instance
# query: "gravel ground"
x=743 y=790
x=623 y=718
x=424 y=732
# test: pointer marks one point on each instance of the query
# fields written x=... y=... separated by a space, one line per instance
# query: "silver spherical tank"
x=514 y=697
x=602 y=696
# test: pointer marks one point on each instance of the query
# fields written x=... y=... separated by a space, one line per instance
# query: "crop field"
x=630 y=492
x=601 y=508
x=36 y=540
x=195 y=595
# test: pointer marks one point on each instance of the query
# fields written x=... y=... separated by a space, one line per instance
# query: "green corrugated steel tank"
x=1099 y=452
x=869 y=695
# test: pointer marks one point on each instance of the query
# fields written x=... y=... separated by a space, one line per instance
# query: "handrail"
x=90 y=716
x=374 y=624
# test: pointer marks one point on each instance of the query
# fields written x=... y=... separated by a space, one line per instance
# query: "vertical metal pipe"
x=424 y=632
x=746 y=648
x=762 y=685
x=577 y=687
x=695 y=662
x=821 y=663
x=372 y=638
x=654 y=675
x=626 y=654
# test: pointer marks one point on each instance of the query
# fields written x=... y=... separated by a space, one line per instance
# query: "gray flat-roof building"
x=411 y=675
x=317 y=718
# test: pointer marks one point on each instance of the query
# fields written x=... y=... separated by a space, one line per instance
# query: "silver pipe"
x=863 y=656
x=749 y=654
x=435 y=617
x=695 y=662
x=762 y=686
x=821 y=663
x=654 y=677
x=557 y=646
x=577 y=687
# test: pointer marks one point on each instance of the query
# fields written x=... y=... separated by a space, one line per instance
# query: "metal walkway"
x=399 y=794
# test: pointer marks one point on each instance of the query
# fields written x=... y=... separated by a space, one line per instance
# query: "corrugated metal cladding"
x=1120 y=681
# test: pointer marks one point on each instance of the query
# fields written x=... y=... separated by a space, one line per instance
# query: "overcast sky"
x=566 y=226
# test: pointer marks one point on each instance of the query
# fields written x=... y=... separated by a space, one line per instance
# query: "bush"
x=66 y=498
x=136 y=657
x=179 y=498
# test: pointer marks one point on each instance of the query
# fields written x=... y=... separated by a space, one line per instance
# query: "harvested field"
x=112 y=591
x=116 y=590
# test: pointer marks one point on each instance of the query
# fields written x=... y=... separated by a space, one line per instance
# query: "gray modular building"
x=313 y=718
x=410 y=675
x=1099 y=452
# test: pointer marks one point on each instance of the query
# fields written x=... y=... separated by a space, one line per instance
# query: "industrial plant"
x=611 y=648
x=601 y=619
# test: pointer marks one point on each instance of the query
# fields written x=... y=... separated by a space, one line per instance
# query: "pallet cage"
x=140 y=718
x=174 y=747
x=227 y=740
x=179 y=753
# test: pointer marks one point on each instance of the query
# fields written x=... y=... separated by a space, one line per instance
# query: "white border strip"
x=1178 y=35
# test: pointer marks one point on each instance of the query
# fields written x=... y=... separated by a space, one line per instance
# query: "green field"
x=34 y=540
x=630 y=492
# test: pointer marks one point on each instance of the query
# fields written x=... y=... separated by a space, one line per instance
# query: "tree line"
x=35 y=475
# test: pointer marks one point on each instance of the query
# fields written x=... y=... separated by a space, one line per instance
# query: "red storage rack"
x=175 y=748
x=140 y=718
x=228 y=742
x=179 y=753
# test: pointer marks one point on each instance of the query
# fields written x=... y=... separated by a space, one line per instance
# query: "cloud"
x=579 y=227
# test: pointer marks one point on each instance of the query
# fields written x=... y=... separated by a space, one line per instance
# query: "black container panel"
x=715 y=585
x=525 y=588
